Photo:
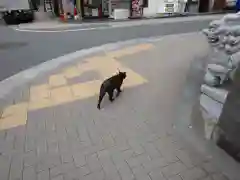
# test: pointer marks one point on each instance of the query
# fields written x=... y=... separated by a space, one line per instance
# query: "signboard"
x=169 y=8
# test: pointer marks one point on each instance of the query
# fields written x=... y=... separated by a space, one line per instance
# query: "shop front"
x=116 y=9
x=95 y=8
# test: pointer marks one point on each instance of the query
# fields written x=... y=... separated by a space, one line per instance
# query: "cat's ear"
x=118 y=70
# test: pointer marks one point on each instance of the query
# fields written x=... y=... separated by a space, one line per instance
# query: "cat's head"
x=123 y=75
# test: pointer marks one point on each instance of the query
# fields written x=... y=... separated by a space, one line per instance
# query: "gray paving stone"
x=219 y=177
x=185 y=158
x=209 y=167
x=48 y=161
x=84 y=170
x=156 y=163
x=4 y=167
x=73 y=174
x=66 y=157
x=140 y=173
x=193 y=174
x=136 y=147
x=19 y=142
x=177 y=177
x=44 y=175
x=99 y=175
x=29 y=173
x=93 y=162
x=108 y=166
x=173 y=169
x=52 y=147
x=16 y=169
x=138 y=160
x=125 y=172
x=57 y=178
x=151 y=150
x=41 y=146
x=156 y=175
x=207 y=178
x=61 y=169
x=79 y=159
x=30 y=158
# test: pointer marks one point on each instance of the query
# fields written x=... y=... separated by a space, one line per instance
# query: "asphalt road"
x=22 y=50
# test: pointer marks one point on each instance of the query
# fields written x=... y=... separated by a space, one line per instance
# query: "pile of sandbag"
x=224 y=37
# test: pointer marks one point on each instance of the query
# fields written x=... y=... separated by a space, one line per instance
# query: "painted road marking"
x=58 y=91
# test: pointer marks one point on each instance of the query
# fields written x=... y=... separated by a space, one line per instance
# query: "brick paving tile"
x=193 y=174
x=173 y=169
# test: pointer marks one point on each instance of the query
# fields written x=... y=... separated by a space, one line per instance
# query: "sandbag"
x=234 y=60
x=232 y=49
x=217 y=68
x=233 y=30
x=211 y=80
x=231 y=18
x=216 y=23
x=219 y=57
x=211 y=111
x=216 y=94
x=232 y=40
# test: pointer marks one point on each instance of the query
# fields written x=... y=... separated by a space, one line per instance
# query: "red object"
x=62 y=17
x=75 y=11
x=100 y=11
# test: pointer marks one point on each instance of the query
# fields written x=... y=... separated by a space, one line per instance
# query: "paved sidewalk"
x=51 y=128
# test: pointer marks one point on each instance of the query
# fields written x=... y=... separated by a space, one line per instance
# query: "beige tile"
x=39 y=92
x=15 y=109
x=86 y=90
x=71 y=72
x=130 y=50
x=13 y=121
x=61 y=95
x=57 y=80
x=39 y=104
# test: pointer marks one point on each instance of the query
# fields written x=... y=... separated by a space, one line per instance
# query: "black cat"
x=109 y=85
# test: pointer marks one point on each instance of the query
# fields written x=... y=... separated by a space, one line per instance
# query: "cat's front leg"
x=118 y=91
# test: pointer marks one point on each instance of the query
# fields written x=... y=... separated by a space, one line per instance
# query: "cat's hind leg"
x=110 y=94
x=100 y=99
x=118 y=91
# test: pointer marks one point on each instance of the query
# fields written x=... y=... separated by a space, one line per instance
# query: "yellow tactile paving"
x=40 y=104
x=85 y=90
x=15 y=109
x=130 y=50
x=39 y=92
x=57 y=80
x=71 y=72
x=61 y=95
x=13 y=121
x=57 y=91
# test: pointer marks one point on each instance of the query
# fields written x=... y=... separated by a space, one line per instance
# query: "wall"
x=152 y=7
x=157 y=6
